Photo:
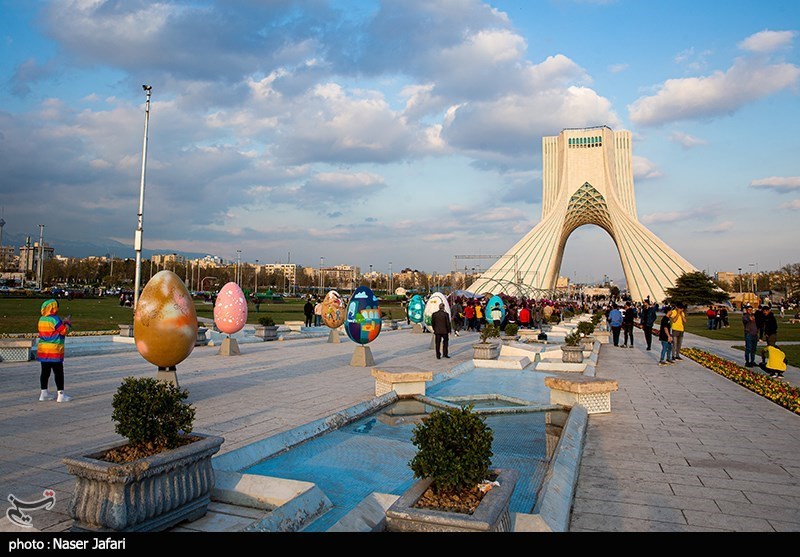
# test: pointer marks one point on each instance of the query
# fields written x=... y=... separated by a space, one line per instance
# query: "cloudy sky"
x=402 y=131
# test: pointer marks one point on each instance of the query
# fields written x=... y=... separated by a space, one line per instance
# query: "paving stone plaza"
x=683 y=449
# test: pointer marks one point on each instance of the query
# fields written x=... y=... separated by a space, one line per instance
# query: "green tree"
x=695 y=288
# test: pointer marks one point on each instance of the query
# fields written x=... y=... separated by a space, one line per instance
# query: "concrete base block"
x=362 y=357
x=334 y=337
x=229 y=347
x=416 y=328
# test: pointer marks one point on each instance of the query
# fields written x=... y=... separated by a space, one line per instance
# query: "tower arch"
x=587 y=178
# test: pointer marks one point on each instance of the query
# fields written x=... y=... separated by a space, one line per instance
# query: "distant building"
x=29 y=257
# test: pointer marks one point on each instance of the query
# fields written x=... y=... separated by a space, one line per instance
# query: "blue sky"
x=406 y=131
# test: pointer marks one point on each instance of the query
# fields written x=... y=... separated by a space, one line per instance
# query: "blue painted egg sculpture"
x=416 y=309
x=363 y=320
x=495 y=300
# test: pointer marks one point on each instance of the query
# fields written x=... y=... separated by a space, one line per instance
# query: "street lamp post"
x=391 y=279
x=137 y=240
x=255 y=289
x=321 y=280
x=370 y=277
x=752 y=277
x=40 y=264
x=740 y=280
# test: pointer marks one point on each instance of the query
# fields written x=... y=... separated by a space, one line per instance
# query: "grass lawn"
x=698 y=324
x=20 y=315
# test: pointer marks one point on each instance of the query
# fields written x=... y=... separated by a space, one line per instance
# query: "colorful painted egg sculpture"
x=333 y=310
x=416 y=309
x=491 y=303
x=363 y=320
x=165 y=321
x=432 y=305
x=230 y=309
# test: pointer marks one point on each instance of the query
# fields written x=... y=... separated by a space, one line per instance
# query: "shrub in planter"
x=454 y=449
x=585 y=328
x=572 y=339
x=162 y=476
x=152 y=415
x=511 y=329
x=489 y=331
x=266 y=321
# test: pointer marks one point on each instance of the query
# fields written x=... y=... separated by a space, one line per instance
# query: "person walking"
x=647 y=320
x=678 y=321
x=665 y=336
x=308 y=311
x=440 y=323
x=50 y=350
x=615 y=322
x=469 y=315
x=458 y=315
x=750 y=336
x=628 y=319
x=770 y=326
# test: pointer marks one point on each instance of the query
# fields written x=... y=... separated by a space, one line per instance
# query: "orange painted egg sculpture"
x=333 y=310
x=230 y=310
x=165 y=321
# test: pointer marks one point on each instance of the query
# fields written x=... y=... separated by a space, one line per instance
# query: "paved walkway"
x=683 y=449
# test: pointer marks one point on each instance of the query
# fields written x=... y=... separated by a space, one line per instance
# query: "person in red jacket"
x=525 y=317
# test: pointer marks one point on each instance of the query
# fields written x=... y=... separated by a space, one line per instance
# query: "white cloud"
x=793 y=205
x=719 y=94
x=780 y=184
x=666 y=217
x=617 y=68
x=685 y=140
x=767 y=41
x=718 y=228
x=644 y=169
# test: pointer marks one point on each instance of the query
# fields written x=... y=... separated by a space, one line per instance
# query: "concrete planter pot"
x=492 y=514
x=125 y=330
x=486 y=351
x=572 y=354
x=267 y=332
x=147 y=495
x=202 y=338
x=588 y=342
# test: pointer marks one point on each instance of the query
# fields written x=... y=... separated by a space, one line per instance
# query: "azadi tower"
x=587 y=179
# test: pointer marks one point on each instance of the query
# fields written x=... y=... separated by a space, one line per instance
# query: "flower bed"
x=770 y=388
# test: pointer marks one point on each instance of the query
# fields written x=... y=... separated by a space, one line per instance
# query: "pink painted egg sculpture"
x=165 y=321
x=230 y=310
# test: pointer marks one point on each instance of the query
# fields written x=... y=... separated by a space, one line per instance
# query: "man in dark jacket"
x=648 y=319
x=628 y=319
x=308 y=311
x=770 y=326
x=440 y=323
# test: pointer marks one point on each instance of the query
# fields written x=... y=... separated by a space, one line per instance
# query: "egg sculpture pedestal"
x=230 y=316
x=165 y=324
x=363 y=324
x=333 y=314
x=416 y=313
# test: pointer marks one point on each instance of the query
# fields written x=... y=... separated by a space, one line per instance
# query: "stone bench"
x=402 y=380
x=15 y=349
x=590 y=392
x=295 y=325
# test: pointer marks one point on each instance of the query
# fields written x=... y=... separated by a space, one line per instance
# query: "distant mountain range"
x=101 y=247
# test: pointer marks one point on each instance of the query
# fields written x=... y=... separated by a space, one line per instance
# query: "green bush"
x=586 y=328
x=489 y=331
x=266 y=321
x=454 y=449
x=572 y=339
x=511 y=329
x=151 y=412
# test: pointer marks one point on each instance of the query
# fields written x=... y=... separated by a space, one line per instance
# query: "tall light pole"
x=239 y=267
x=740 y=280
x=370 y=277
x=391 y=279
x=137 y=240
x=40 y=264
x=321 y=263
x=255 y=288
x=752 y=277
